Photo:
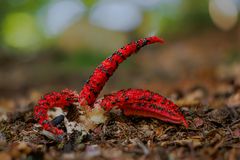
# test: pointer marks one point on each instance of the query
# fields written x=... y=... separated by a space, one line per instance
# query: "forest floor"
x=209 y=99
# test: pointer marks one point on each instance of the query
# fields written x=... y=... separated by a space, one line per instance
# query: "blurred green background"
x=51 y=45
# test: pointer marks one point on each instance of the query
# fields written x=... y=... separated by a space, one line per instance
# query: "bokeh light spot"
x=116 y=15
x=20 y=31
x=61 y=14
x=224 y=13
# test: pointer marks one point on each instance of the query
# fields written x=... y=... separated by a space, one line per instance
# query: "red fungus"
x=143 y=103
x=61 y=99
x=133 y=102
x=100 y=76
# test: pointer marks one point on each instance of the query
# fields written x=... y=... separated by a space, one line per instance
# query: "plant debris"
x=214 y=133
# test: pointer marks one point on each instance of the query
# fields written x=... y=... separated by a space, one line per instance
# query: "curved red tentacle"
x=143 y=103
x=61 y=99
x=100 y=76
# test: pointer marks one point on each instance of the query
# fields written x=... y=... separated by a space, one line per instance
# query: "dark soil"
x=213 y=134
